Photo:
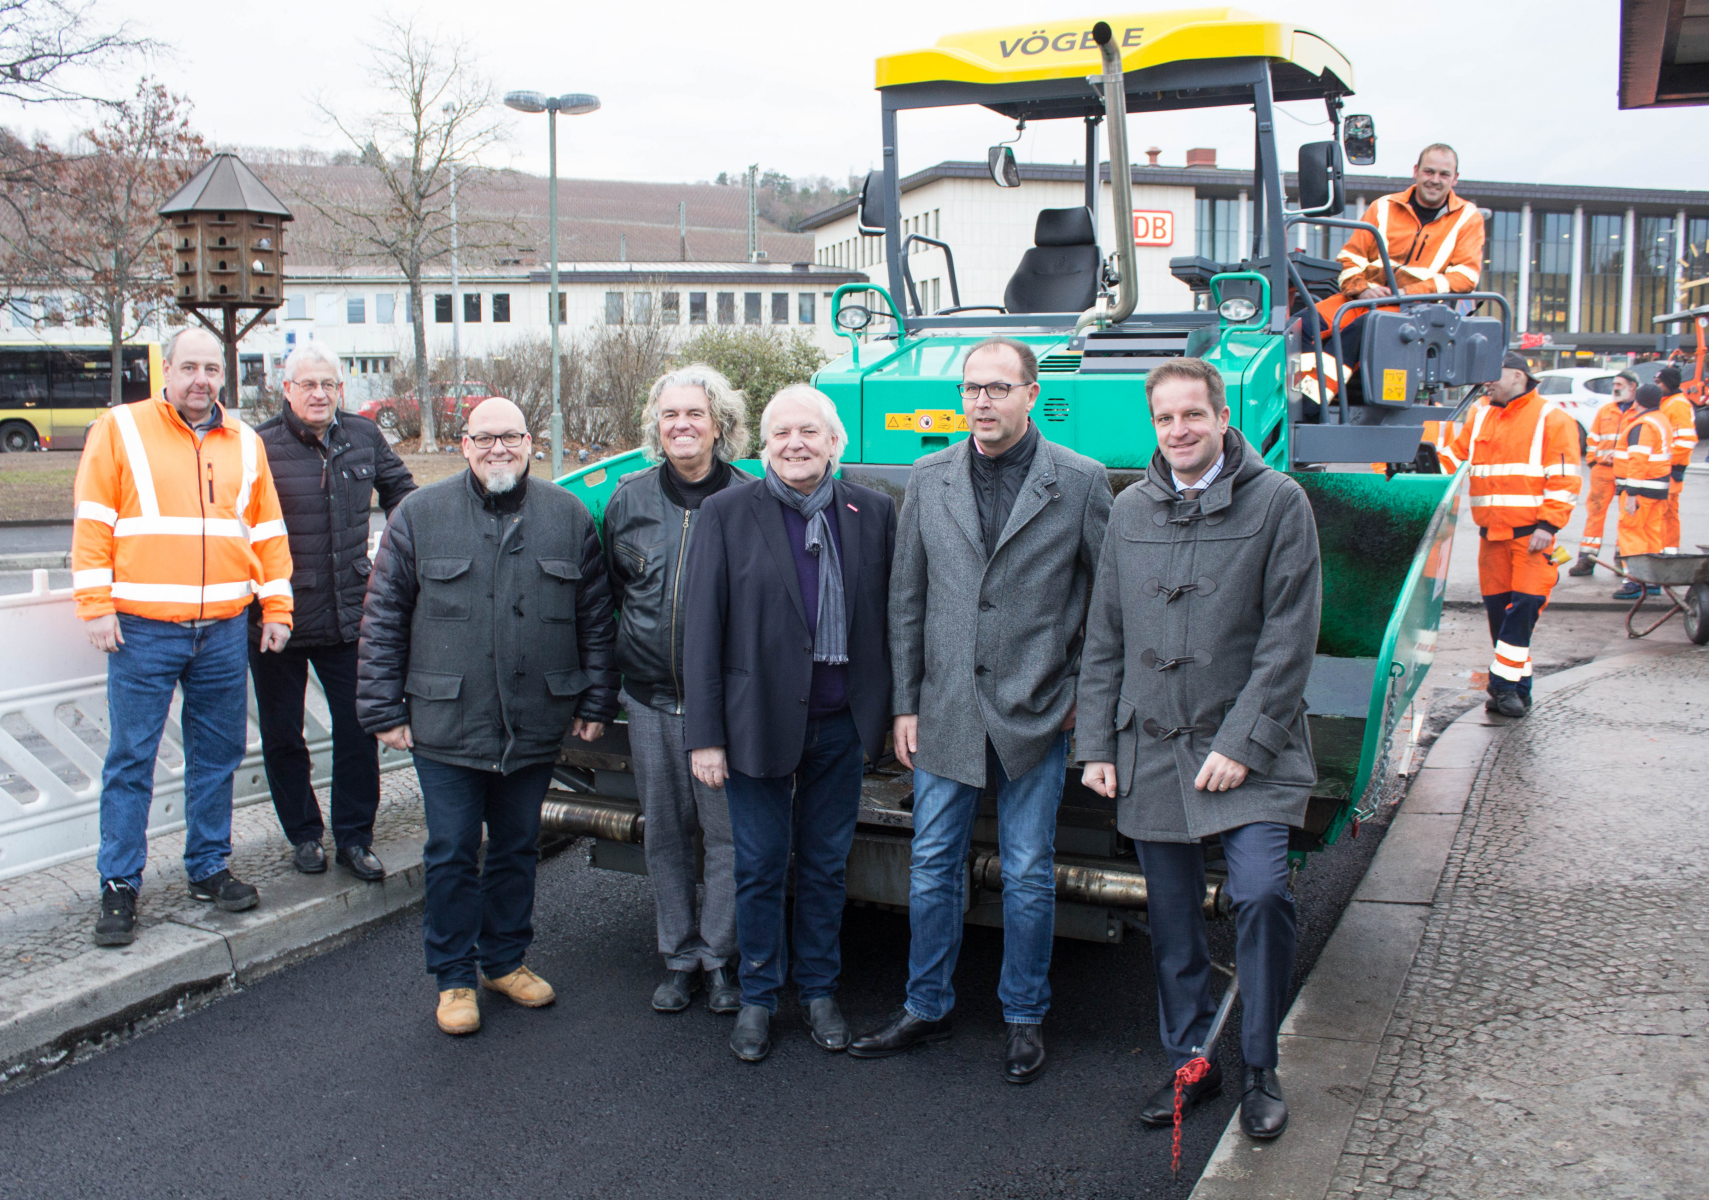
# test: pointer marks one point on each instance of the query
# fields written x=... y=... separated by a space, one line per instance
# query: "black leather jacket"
x=646 y=556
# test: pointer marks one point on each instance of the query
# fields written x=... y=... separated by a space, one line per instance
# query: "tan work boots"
x=458 y=1013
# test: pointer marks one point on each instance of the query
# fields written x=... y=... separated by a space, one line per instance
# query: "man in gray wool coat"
x=1199 y=642
x=995 y=550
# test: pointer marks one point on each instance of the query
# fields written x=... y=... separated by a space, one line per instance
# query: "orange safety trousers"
x=1670 y=517
x=1643 y=524
x=1596 y=508
x=1515 y=582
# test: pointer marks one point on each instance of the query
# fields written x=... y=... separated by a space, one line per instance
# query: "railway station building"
x=1587 y=269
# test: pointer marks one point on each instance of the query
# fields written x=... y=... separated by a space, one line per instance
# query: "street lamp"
x=575 y=104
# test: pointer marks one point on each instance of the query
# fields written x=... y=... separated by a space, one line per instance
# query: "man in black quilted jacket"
x=326 y=466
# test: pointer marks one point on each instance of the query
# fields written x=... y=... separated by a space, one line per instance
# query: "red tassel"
x=1195 y=1070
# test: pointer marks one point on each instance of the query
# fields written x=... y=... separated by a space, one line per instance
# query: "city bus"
x=51 y=394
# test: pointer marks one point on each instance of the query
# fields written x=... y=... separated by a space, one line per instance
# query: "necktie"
x=1192 y=493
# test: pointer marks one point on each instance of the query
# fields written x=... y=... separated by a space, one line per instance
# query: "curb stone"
x=1331 y=1036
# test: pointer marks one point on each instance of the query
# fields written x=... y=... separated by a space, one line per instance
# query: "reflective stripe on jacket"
x=1643 y=460
x=1524 y=465
x=174 y=529
x=1605 y=431
x=1677 y=409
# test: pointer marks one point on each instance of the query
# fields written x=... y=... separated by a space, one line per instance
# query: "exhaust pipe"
x=1094 y=885
x=585 y=818
x=1121 y=185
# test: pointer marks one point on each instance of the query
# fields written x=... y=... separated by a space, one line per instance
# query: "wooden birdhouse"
x=226 y=233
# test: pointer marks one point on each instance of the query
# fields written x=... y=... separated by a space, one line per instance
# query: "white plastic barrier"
x=53 y=736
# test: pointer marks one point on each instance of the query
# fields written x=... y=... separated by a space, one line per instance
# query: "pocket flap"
x=443 y=568
x=1272 y=735
x=433 y=685
x=362 y=471
x=561 y=568
x=303 y=579
x=568 y=683
x=1124 y=713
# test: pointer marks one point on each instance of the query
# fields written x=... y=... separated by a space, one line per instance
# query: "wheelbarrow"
x=1670 y=571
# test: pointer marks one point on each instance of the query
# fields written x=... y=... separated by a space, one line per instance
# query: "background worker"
x=1680 y=415
x=326 y=466
x=1599 y=449
x=486 y=638
x=1435 y=241
x=1525 y=481
x=178 y=529
x=694 y=427
x=995 y=550
x=1193 y=718
x=1643 y=466
x=788 y=694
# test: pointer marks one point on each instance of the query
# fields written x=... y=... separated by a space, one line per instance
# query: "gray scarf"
x=831 y=638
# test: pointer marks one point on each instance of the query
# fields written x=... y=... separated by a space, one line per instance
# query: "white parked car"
x=1578 y=390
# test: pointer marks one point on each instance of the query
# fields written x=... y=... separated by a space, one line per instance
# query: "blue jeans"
x=1264 y=926
x=479 y=915
x=1026 y=840
x=813 y=813
x=212 y=664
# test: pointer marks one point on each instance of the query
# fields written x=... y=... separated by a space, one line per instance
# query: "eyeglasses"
x=484 y=441
x=316 y=385
x=997 y=391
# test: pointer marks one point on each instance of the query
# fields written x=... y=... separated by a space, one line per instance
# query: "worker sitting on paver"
x=1604 y=432
x=178 y=529
x=1643 y=463
x=1525 y=481
x=1199 y=641
x=1680 y=416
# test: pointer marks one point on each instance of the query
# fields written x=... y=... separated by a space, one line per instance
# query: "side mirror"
x=1359 y=135
x=1321 y=189
x=872 y=203
x=1004 y=172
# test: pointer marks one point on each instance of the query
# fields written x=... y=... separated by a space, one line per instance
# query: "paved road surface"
x=330 y=1078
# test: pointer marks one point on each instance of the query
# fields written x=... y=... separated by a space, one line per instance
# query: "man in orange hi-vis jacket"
x=1599 y=450
x=1678 y=411
x=1435 y=241
x=1524 y=484
x=1643 y=461
x=178 y=531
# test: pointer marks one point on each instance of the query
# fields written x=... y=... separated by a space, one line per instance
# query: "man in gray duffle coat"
x=1199 y=642
x=995 y=550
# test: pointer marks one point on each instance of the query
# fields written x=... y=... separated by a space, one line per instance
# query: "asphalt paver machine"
x=1386 y=535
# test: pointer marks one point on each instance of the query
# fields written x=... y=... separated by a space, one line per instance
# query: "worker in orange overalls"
x=1524 y=483
x=1677 y=409
x=1643 y=462
x=1604 y=432
x=1435 y=241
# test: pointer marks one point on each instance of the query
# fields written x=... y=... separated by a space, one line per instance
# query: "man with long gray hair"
x=695 y=427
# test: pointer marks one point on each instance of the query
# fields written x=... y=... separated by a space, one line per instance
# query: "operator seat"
x=1060 y=273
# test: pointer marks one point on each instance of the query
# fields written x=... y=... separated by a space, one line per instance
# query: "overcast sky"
x=1525 y=89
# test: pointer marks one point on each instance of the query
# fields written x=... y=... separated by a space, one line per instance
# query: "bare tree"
x=437 y=114
x=86 y=222
x=40 y=40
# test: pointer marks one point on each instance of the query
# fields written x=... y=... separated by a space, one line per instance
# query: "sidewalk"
x=1516 y=1002
x=58 y=989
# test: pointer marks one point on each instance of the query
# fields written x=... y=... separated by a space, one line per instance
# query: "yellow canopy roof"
x=1065 y=49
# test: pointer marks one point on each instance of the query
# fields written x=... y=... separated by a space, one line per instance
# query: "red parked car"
x=452 y=403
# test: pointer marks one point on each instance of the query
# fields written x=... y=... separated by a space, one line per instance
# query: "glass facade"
x=1217 y=221
x=1325 y=241
x=1502 y=256
x=1653 y=255
x=1604 y=266
x=1551 y=271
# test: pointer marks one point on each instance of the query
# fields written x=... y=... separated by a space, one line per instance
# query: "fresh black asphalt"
x=329 y=1078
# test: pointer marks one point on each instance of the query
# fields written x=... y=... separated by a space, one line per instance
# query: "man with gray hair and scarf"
x=787 y=681
x=695 y=426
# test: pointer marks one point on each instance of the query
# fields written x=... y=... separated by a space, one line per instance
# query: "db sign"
x=1154 y=229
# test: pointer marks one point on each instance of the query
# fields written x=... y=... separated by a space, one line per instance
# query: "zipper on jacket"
x=202 y=599
x=676 y=588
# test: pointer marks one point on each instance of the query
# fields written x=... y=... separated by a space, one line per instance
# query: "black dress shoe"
x=723 y=993
x=1023 y=1061
x=673 y=994
x=1263 y=1112
x=1159 y=1111
x=361 y=862
x=904 y=1032
x=830 y=1030
x=751 y=1040
x=309 y=858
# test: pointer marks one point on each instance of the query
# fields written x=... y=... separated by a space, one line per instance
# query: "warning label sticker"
x=928 y=420
x=1394 y=385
